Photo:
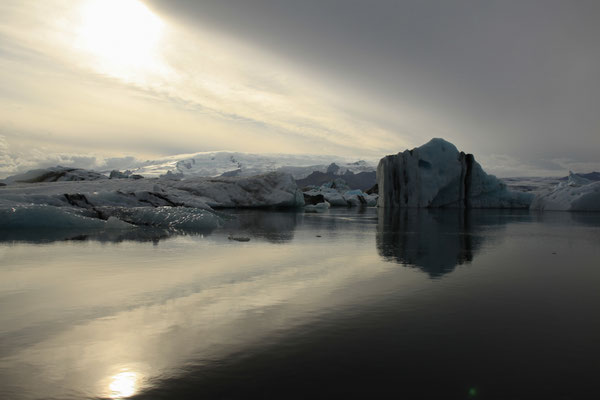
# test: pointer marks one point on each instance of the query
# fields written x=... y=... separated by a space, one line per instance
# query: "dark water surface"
x=344 y=304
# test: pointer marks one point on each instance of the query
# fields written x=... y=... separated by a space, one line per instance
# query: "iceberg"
x=315 y=208
x=187 y=204
x=576 y=194
x=116 y=174
x=437 y=175
x=49 y=217
x=55 y=174
x=362 y=180
x=337 y=194
x=269 y=190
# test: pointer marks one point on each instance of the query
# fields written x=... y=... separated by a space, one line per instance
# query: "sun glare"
x=123 y=385
x=121 y=37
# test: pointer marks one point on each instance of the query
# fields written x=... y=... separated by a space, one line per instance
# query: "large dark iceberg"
x=437 y=175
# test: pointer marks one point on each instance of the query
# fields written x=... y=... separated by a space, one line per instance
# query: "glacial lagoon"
x=347 y=303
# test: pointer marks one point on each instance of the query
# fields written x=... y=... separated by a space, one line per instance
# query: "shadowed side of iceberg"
x=116 y=218
x=50 y=217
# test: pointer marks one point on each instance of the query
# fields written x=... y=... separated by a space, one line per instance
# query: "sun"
x=121 y=37
x=123 y=385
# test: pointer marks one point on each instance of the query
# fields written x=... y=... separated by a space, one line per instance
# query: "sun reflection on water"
x=124 y=384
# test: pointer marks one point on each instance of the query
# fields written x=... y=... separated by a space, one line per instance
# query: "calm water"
x=432 y=305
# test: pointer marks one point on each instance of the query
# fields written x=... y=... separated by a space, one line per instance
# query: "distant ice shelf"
x=230 y=164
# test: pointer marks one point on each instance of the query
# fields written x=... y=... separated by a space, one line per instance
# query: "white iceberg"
x=576 y=194
x=359 y=198
x=274 y=189
x=335 y=198
x=315 y=208
x=341 y=197
x=268 y=190
x=164 y=203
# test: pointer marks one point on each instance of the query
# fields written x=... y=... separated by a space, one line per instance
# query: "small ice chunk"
x=116 y=223
x=319 y=207
x=239 y=238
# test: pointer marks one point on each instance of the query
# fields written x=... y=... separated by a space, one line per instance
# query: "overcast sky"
x=517 y=83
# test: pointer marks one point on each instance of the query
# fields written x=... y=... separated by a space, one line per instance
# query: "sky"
x=513 y=82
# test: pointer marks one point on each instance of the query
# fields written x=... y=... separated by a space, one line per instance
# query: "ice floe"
x=337 y=194
x=165 y=203
x=575 y=194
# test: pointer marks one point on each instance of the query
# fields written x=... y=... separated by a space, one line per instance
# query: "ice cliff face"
x=438 y=175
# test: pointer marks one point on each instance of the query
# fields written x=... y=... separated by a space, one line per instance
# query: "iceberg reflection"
x=275 y=226
x=271 y=225
x=436 y=241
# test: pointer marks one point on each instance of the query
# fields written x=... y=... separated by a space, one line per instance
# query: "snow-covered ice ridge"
x=574 y=194
x=123 y=203
x=246 y=164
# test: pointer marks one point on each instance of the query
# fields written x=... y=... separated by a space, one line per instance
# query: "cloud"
x=301 y=82
x=504 y=165
x=8 y=163
x=203 y=91
x=17 y=161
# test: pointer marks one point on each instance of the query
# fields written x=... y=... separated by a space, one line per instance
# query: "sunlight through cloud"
x=122 y=36
x=123 y=385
